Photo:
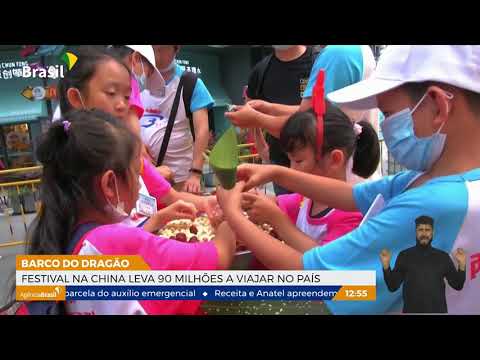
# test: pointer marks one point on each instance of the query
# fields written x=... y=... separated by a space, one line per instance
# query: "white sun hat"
x=457 y=65
x=155 y=82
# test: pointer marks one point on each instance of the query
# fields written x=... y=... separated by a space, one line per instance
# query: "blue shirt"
x=445 y=199
x=343 y=65
x=201 y=98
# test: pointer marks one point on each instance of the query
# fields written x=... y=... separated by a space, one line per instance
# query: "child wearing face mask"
x=87 y=186
x=415 y=153
x=345 y=148
x=101 y=80
x=431 y=102
x=141 y=60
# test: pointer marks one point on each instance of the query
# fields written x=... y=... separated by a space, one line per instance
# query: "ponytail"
x=338 y=133
x=367 y=151
x=73 y=151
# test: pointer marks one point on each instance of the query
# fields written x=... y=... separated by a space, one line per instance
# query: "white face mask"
x=142 y=79
x=118 y=211
x=81 y=99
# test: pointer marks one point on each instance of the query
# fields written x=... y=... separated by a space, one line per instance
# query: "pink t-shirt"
x=158 y=252
x=135 y=101
x=156 y=184
x=333 y=225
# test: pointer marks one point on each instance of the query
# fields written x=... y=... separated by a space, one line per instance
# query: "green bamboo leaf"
x=224 y=158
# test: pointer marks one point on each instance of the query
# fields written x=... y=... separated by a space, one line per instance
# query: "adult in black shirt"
x=423 y=268
x=281 y=78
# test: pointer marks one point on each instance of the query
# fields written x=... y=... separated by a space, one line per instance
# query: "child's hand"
x=260 y=209
x=262 y=106
x=165 y=172
x=230 y=200
x=178 y=210
x=213 y=210
x=255 y=175
x=243 y=117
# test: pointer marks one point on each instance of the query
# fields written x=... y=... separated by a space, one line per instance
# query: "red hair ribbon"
x=318 y=102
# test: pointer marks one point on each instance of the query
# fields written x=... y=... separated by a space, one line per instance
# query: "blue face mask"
x=142 y=79
x=414 y=153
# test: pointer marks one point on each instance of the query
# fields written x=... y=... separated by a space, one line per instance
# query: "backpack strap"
x=189 y=82
x=78 y=234
x=171 y=122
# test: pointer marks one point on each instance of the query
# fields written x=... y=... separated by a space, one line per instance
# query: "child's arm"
x=156 y=184
x=165 y=172
x=331 y=192
x=225 y=242
x=247 y=117
x=273 y=109
x=292 y=236
x=261 y=144
x=159 y=188
x=342 y=225
x=264 y=210
x=271 y=252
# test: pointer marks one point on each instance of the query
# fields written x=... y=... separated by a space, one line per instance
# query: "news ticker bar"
x=209 y=293
x=194 y=278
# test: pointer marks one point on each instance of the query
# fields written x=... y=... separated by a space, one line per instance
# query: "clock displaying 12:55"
x=356 y=293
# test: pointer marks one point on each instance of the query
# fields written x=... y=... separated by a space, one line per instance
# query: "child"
x=345 y=148
x=87 y=187
x=102 y=81
x=141 y=60
x=431 y=103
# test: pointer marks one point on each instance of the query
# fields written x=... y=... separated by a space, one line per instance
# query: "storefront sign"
x=185 y=66
x=39 y=93
x=16 y=69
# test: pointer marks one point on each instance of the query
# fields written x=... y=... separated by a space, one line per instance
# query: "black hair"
x=72 y=156
x=122 y=51
x=424 y=220
x=301 y=130
x=94 y=142
x=89 y=58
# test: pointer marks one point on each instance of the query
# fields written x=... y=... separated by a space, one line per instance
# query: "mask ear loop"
x=143 y=69
x=449 y=97
x=81 y=99
x=419 y=102
x=120 y=206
